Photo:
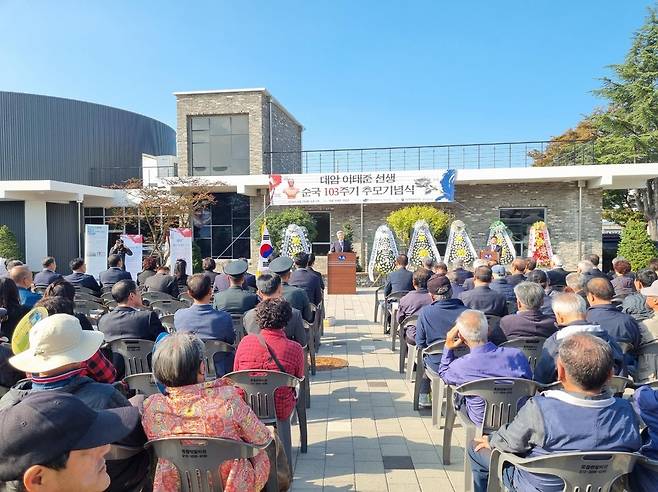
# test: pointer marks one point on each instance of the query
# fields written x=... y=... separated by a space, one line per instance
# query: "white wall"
x=36 y=234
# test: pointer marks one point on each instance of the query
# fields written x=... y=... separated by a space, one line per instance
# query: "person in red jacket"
x=272 y=350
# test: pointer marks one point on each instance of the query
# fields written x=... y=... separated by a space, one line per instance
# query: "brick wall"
x=286 y=137
x=477 y=206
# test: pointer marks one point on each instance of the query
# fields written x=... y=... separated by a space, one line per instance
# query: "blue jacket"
x=46 y=277
x=27 y=297
x=434 y=322
x=83 y=280
x=462 y=275
x=399 y=280
x=500 y=285
x=561 y=422
x=546 y=370
x=645 y=401
x=620 y=325
x=114 y=274
x=484 y=299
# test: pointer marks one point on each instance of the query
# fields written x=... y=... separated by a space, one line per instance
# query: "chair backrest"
x=168 y=322
x=238 y=326
x=408 y=321
x=143 y=383
x=617 y=385
x=164 y=307
x=84 y=290
x=502 y=397
x=259 y=385
x=215 y=347
x=89 y=304
x=107 y=297
x=185 y=297
x=396 y=296
x=530 y=346
x=136 y=354
x=106 y=288
x=198 y=459
x=584 y=472
x=84 y=296
x=647 y=362
x=153 y=295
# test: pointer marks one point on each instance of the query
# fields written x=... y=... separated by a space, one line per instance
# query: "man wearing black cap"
x=305 y=279
x=53 y=442
x=234 y=300
x=434 y=322
x=294 y=295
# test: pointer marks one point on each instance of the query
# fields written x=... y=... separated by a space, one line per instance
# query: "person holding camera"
x=122 y=250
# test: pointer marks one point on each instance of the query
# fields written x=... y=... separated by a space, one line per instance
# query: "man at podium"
x=342 y=245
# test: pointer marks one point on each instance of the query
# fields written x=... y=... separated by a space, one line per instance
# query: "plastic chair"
x=378 y=303
x=79 y=289
x=136 y=354
x=392 y=299
x=238 y=327
x=215 y=347
x=259 y=386
x=307 y=381
x=530 y=346
x=647 y=363
x=317 y=322
x=84 y=296
x=163 y=307
x=106 y=288
x=154 y=295
x=119 y=452
x=406 y=322
x=593 y=471
x=311 y=329
x=502 y=397
x=86 y=304
x=107 y=297
x=198 y=459
x=617 y=385
x=168 y=322
x=143 y=383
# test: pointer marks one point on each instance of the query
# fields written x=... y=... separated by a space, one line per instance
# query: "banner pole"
x=363 y=241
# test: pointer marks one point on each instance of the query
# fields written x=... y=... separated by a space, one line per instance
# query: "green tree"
x=278 y=221
x=636 y=245
x=402 y=221
x=9 y=248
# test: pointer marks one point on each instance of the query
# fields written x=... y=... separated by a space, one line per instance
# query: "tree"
x=279 y=220
x=572 y=147
x=636 y=246
x=402 y=221
x=174 y=204
x=9 y=248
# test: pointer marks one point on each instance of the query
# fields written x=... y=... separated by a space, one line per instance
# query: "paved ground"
x=363 y=432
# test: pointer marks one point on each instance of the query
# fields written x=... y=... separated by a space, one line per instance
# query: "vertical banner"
x=96 y=248
x=265 y=251
x=135 y=243
x=180 y=246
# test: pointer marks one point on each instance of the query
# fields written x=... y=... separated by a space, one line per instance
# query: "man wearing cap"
x=162 y=282
x=305 y=279
x=235 y=300
x=434 y=322
x=58 y=348
x=53 y=442
x=294 y=295
x=500 y=285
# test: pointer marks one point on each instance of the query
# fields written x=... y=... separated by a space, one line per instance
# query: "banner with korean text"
x=180 y=247
x=135 y=243
x=376 y=187
x=96 y=249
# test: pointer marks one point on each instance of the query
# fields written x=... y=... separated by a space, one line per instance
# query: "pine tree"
x=9 y=248
x=636 y=245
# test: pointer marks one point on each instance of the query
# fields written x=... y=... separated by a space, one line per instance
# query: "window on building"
x=222 y=230
x=323 y=238
x=219 y=145
x=518 y=221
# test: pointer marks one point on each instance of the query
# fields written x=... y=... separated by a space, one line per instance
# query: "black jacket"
x=126 y=322
x=309 y=281
x=335 y=247
x=83 y=280
x=527 y=324
x=486 y=300
x=162 y=283
x=557 y=277
x=113 y=275
x=399 y=280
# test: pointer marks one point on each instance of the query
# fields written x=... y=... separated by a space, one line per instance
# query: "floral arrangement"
x=459 y=245
x=294 y=241
x=383 y=254
x=500 y=233
x=422 y=244
x=539 y=244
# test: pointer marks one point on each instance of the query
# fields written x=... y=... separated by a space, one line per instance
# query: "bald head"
x=473 y=327
x=585 y=361
x=600 y=291
x=22 y=276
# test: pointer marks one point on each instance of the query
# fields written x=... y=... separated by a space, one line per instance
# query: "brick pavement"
x=363 y=432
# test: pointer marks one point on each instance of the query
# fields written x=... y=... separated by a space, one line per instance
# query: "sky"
x=354 y=73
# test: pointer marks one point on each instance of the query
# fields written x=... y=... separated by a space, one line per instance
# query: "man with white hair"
x=528 y=321
x=557 y=275
x=576 y=284
x=570 y=314
x=469 y=283
x=589 y=271
x=485 y=359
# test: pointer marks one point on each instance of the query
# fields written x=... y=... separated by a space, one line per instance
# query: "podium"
x=341 y=273
x=489 y=255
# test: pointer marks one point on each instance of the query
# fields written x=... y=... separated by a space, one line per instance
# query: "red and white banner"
x=180 y=247
x=135 y=243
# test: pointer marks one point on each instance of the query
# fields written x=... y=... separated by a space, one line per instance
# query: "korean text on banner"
x=135 y=243
x=96 y=249
x=377 y=187
x=180 y=247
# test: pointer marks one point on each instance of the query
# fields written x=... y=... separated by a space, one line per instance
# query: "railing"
x=466 y=156
x=116 y=175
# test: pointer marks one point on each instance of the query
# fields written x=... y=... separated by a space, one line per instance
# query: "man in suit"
x=557 y=276
x=80 y=276
x=48 y=275
x=342 y=245
x=115 y=272
x=399 y=279
x=499 y=283
x=235 y=300
x=162 y=282
x=305 y=279
x=128 y=320
x=311 y=262
x=271 y=287
x=482 y=298
x=294 y=295
x=201 y=320
x=461 y=274
x=469 y=283
x=518 y=272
